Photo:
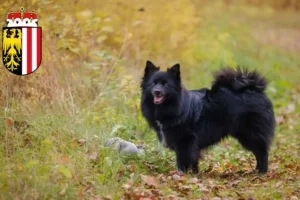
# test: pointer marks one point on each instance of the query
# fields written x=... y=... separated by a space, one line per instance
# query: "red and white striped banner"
x=31 y=49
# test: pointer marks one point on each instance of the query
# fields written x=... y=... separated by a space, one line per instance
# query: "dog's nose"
x=156 y=92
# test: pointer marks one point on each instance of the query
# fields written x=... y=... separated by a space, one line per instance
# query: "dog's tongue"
x=158 y=99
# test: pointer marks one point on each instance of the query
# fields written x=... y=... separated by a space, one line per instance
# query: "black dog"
x=188 y=121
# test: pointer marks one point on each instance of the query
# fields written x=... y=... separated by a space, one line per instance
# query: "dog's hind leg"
x=258 y=145
x=262 y=160
x=255 y=132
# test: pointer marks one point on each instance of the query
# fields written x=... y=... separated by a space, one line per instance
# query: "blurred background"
x=94 y=54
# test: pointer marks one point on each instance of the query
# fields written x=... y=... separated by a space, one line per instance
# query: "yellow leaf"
x=65 y=171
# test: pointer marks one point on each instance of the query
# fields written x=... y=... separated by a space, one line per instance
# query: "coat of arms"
x=22 y=42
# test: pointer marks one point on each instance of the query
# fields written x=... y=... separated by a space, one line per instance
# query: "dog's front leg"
x=187 y=155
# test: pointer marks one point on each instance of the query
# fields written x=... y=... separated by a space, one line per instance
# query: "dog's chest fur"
x=161 y=133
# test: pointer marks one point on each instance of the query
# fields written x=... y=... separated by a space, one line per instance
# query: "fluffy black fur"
x=188 y=121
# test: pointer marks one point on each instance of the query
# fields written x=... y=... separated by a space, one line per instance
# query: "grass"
x=92 y=94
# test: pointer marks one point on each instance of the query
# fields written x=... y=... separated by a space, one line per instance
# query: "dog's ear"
x=175 y=71
x=150 y=68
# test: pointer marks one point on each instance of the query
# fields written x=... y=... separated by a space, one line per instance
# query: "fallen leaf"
x=279 y=119
x=193 y=180
x=65 y=171
x=89 y=189
x=185 y=187
x=172 y=172
x=103 y=198
x=63 y=191
x=220 y=169
x=131 y=168
x=274 y=166
x=202 y=188
x=8 y=122
x=176 y=177
x=93 y=155
x=63 y=158
x=290 y=108
x=279 y=184
x=126 y=186
x=235 y=183
x=80 y=193
x=180 y=173
x=228 y=165
x=20 y=168
x=81 y=141
x=219 y=187
x=290 y=166
x=150 y=180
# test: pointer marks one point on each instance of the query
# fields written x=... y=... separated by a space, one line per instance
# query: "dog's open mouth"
x=158 y=99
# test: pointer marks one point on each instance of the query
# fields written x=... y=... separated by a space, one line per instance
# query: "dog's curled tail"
x=239 y=80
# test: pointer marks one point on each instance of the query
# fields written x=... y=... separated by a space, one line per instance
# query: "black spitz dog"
x=188 y=121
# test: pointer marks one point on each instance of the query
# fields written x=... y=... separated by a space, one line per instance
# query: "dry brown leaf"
x=202 y=188
x=150 y=180
x=63 y=158
x=193 y=180
x=80 y=193
x=131 y=168
x=294 y=198
x=279 y=119
x=93 y=155
x=176 y=177
x=89 y=189
x=179 y=173
x=126 y=186
x=227 y=165
x=290 y=108
x=290 y=166
x=279 y=184
x=274 y=166
x=8 y=122
x=81 y=141
x=63 y=191
x=20 y=168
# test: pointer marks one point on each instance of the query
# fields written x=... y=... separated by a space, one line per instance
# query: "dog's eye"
x=164 y=82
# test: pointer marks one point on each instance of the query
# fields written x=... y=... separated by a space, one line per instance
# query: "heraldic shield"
x=22 y=43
